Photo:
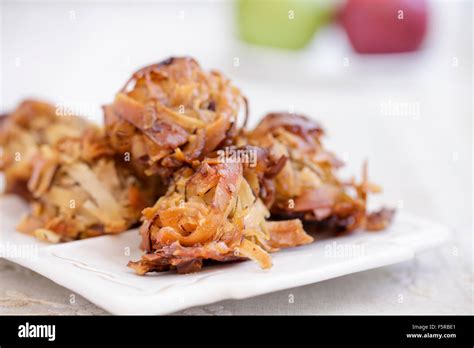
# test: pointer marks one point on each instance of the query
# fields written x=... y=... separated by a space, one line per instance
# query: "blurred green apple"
x=289 y=24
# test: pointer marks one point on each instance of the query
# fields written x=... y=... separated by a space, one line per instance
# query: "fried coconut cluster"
x=173 y=113
x=307 y=186
x=213 y=212
x=64 y=166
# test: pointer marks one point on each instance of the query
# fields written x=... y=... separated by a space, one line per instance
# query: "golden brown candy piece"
x=76 y=185
x=212 y=213
x=307 y=187
x=173 y=113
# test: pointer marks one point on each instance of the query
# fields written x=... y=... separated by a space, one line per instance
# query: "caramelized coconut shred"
x=170 y=138
x=307 y=187
x=173 y=113
x=77 y=186
x=212 y=212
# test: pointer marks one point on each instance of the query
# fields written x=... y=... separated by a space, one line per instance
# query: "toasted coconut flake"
x=85 y=177
x=379 y=220
x=255 y=253
x=284 y=234
x=47 y=235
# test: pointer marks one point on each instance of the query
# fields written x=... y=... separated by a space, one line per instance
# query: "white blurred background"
x=81 y=53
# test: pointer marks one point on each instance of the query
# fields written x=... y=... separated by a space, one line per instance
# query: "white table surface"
x=423 y=161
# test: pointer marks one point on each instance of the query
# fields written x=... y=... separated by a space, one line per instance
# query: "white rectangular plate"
x=96 y=268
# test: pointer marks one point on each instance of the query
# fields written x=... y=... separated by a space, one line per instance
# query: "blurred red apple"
x=385 y=26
